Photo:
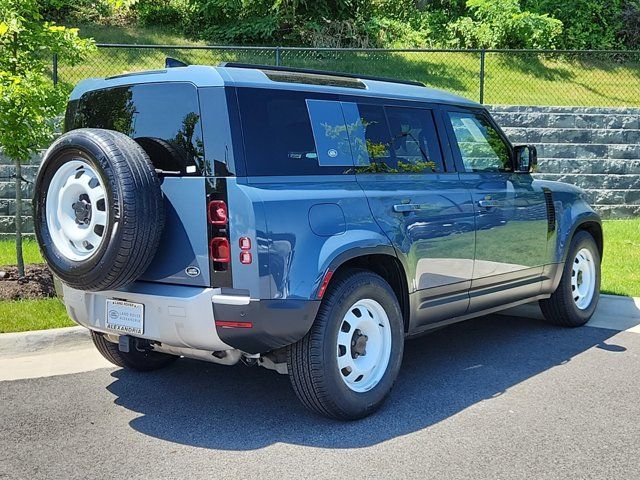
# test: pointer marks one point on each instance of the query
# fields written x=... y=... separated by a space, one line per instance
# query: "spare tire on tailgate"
x=98 y=209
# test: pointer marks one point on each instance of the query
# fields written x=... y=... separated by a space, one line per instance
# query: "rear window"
x=163 y=118
x=293 y=133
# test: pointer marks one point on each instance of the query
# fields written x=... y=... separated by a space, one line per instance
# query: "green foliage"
x=629 y=33
x=591 y=24
x=356 y=23
x=392 y=33
x=28 y=98
x=76 y=10
x=502 y=24
x=336 y=23
x=167 y=13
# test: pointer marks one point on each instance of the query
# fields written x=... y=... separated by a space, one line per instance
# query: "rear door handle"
x=488 y=203
x=406 y=207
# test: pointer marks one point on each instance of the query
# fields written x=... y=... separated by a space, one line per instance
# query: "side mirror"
x=526 y=158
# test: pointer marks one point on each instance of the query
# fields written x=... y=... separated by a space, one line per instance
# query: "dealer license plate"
x=125 y=317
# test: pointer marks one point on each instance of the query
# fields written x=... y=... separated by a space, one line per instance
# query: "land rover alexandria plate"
x=126 y=317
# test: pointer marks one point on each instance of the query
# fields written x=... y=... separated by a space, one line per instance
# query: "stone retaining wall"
x=595 y=148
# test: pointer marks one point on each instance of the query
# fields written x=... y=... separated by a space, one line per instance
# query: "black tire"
x=312 y=362
x=135 y=213
x=142 y=361
x=561 y=309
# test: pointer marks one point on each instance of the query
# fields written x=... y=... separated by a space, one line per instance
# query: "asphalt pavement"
x=495 y=397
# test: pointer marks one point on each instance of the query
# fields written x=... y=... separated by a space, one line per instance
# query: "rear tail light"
x=245 y=255
x=245 y=258
x=245 y=243
x=220 y=250
x=217 y=212
x=225 y=324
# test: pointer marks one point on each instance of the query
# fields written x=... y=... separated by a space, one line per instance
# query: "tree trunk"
x=19 y=256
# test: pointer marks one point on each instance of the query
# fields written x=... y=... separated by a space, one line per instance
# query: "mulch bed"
x=38 y=283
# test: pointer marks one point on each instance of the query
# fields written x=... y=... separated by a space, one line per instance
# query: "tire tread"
x=305 y=357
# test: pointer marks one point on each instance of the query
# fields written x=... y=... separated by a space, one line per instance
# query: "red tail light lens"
x=225 y=324
x=245 y=258
x=245 y=243
x=219 y=250
x=217 y=212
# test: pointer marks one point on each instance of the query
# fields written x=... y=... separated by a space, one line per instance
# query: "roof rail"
x=319 y=72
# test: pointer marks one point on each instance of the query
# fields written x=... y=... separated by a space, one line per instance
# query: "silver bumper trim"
x=175 y=315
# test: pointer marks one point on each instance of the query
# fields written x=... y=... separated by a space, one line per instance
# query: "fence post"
x=55 y=69
x=482 y=53
x=277 y=56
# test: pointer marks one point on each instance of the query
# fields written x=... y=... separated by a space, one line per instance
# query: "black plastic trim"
x=275 y=323
x=551 y=210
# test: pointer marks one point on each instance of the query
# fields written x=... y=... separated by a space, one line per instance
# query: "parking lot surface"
x=494 y=397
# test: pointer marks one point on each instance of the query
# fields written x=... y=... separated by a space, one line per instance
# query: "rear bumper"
x=184 y=317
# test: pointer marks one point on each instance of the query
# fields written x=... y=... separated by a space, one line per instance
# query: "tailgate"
x=183 y=255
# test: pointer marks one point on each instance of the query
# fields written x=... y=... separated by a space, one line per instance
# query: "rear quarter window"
x=293 y=133
x=163 y=118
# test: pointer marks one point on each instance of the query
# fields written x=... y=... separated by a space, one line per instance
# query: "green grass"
x=553 y=79
x=621 y=262
x=30 y=252
x=24 y=315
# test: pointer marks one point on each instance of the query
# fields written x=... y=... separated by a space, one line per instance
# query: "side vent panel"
x=551 y=210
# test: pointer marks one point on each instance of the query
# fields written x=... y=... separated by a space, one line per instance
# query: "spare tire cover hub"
x=77 y=210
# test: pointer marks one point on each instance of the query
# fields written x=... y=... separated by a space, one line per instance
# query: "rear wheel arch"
x=383 y=263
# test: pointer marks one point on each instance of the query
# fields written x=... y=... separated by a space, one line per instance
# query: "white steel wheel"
x=76 y=210
x=363 y=346
x=583 y=278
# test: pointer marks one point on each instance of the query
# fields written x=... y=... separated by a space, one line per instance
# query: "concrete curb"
x=41 y=341
x=613 y=312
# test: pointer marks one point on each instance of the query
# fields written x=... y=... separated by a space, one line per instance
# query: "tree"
x=28 y=99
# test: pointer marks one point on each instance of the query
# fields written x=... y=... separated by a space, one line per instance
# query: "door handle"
x=406 y=207
x=486 y=204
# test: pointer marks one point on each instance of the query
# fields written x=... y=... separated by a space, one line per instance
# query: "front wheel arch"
x=595 y=230
x=591 y=224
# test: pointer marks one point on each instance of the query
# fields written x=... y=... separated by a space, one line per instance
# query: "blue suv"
x=304 y=221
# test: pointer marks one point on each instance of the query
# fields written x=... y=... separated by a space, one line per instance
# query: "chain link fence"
x=509 y=77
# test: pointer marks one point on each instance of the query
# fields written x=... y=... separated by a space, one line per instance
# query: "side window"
x=330 y=133
x=481 y=147
x=414 y=140
x=163 y=118
x=377 y=140
x=280 y=137
x=396 y=140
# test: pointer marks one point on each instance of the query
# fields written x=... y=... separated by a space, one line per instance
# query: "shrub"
x=502 y=24
x=80 y=11
x=167 y=13
x=591 y=24
x=629 y=33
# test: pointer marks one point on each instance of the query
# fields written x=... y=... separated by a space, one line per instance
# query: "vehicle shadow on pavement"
x=239 y=408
